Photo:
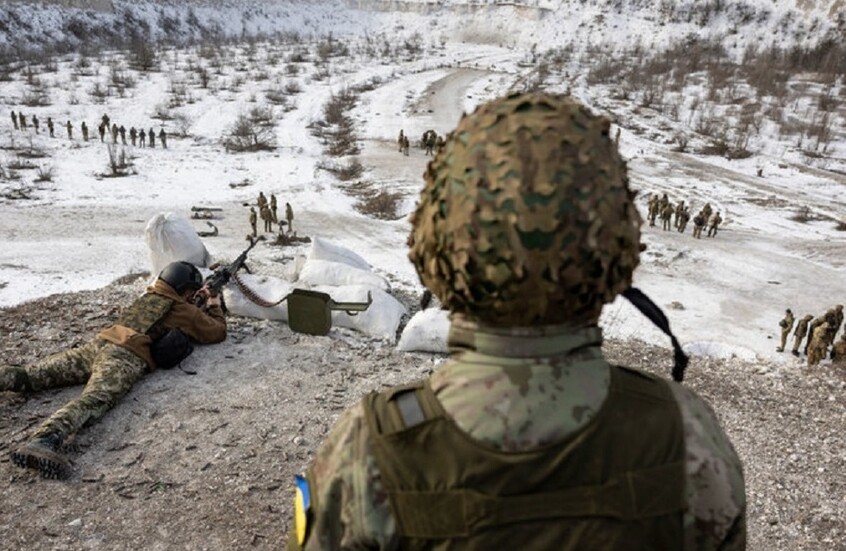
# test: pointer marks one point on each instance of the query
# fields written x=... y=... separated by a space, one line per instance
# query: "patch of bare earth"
x=206 y=461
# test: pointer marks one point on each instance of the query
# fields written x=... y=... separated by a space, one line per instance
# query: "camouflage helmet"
x=526 y=217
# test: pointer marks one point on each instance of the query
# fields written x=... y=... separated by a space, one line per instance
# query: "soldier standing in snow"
x=84 y=128
x=69 y=128
x=786 y=325
x=15 y=120
x=801 y=331
x=715 y=222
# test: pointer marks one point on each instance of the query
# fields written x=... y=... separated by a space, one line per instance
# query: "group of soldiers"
x=663 y=208
x=267 y=211
x=430 y=141
x=140 y=137
x=820 y=332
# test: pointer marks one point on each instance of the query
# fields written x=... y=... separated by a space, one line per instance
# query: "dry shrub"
x=382 y=205
x=245 y=136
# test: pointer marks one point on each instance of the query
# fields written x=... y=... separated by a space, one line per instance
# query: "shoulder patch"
x=302 y=509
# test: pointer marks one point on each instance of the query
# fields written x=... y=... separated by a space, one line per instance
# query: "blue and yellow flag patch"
x=302 y=509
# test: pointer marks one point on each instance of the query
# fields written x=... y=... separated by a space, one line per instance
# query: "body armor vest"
x=144 y=315
x=617 y=484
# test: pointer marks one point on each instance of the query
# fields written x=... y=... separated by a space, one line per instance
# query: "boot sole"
x=50 y=465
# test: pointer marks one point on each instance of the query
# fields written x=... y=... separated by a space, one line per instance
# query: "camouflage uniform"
x=698 y=224
x=811 y=328
x=35 y=123
x=678 y=212
x=116 y=359
x=133 y=136
x=838 y=353
x=163 y=138
x=267 y=217
x=101 y=128
x=400 y=139
x=261 y=201
x=142 y=138
x=706 y=211
x=21 y=120
x=818 y=348
x=685 y=216
x=114 y=131
x=84 y=128
x=526 y=382
x=289 y=216
x=653 y=209
x=253 y=220
x=69 y=128
x=712 y=231
x=801 y=331
x=14 y=120
x=273 y=207
x=151 y=138
x=786 y=325
x=666 y=216
x=122 y=132
x=50 y=126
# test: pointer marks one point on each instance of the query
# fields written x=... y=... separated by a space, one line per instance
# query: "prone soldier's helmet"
x=182 y=276
x=526 y=217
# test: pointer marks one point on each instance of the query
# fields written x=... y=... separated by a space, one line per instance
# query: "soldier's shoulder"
x=715 y=487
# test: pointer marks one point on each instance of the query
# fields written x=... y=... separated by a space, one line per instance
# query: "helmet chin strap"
x=656 y=316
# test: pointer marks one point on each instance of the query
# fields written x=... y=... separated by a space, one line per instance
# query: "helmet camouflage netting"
x=526 y=217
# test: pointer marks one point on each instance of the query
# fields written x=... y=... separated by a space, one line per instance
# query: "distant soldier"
x=253 y=220
x=698 y=225
x=786 y=325
x=817 y=350
x=142 y=138
x=838 y=319
x=163 y=138
x=50 y=126
x=685 y=216
x=84 y=128
x=707 y=210
x=663 y=202
x=678 y=212
x=831 y=320
x=151 y=135
x=22 y=120
x=666 y=216
x=811 y=328
x=439 y=143
x=133 y=136
x=400 y=140
x=838 y=353
x=35 y=123
x=273 y=207
x=69 y=128
x=105 y=120
x=653 y=209
x=429 y=138
x=102 y=130
x=122 y=132
x=114 y=133
x=261 y=201
x=15 y=123
x=801 y=331
x=405 y=146
x=267 y=217
x=715 y=222
x=289 y=212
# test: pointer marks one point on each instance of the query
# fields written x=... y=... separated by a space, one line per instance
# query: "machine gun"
x=223 y=273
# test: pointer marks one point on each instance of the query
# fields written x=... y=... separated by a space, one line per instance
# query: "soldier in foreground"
x=117 y=358
x=786 y=325
x=527 y=438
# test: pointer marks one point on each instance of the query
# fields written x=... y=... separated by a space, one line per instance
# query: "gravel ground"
x=206 y=461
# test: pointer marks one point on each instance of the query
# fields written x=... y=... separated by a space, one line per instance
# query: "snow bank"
x=322 y=249
x=381 y=319
x=324 y=272
x=719 y=350
x=427 y=331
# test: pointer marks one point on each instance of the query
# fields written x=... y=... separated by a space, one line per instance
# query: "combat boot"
x=42 y=453
x=14 y=379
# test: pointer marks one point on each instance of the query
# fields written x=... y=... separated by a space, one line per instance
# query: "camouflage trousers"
x=784 y=334
x=107 y=371
x=797 y=342
x=816 y=353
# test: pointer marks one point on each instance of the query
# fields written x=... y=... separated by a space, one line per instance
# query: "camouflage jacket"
x=518 y=390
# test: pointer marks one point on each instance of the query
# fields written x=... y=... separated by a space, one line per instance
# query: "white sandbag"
x=325 y=272
x=322 y=249
x=381 y=319
x=170 y=238
x=268 y=288
x=426 y=331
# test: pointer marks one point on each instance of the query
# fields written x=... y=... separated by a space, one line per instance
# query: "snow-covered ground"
x=83 y=230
